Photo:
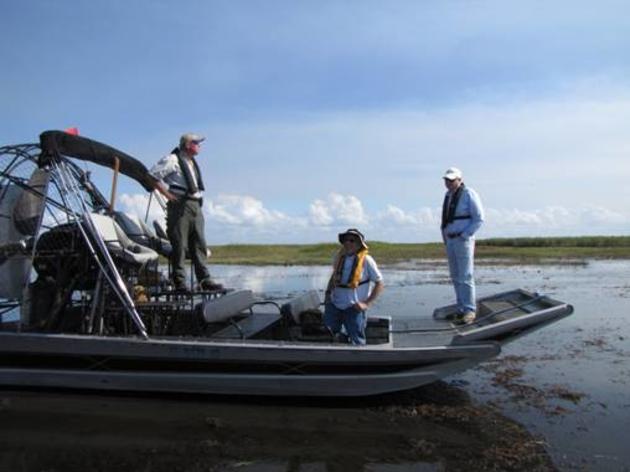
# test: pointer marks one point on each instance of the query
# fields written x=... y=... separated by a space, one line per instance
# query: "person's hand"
x=163 y=189
x=170 y=196
x=361 y=306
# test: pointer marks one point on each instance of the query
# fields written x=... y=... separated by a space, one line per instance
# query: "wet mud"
x=508 y=373
x=435 y=427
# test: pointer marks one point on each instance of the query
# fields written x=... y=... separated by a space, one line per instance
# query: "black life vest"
x=190 y=182
x=450 y=205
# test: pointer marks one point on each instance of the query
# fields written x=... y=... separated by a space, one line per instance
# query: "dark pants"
x=185 y=228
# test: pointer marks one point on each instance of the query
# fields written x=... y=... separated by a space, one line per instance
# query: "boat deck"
x=422 y=332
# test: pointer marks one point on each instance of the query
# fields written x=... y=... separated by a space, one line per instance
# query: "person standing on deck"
x=462 y=216
x=348 y=295
x=179 y=180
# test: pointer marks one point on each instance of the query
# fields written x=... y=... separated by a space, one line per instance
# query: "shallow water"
x=567 y=384
x=577 y=371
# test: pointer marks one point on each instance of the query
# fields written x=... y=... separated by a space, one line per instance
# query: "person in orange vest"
x=350 y=292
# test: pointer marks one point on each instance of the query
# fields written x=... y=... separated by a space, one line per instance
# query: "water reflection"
x=273 y=281
x=286 y=280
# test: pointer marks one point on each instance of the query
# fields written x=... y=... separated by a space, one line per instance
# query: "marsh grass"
x=511 y=250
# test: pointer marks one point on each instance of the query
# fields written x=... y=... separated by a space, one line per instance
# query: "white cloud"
x=557 y=217
x=320 y=214
x=396 y=216
x=136 y=204
x=243 y=210
x=598 y=215
x=337 y=209
x=395 y=224
x=555 y=220
x=243 y=218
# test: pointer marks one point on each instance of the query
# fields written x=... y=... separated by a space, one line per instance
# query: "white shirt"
x=343 y=297
x=167 y=170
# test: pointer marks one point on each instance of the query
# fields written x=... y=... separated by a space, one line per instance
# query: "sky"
x=324 y=115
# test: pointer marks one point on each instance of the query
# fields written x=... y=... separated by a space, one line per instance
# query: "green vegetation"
x=515 y=250
x=582 y=241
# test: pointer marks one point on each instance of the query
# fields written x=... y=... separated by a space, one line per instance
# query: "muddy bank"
x=431 y=428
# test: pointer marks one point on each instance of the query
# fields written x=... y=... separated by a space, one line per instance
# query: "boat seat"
x=248 y=327
x=227 y=306
x=142 y=234
x=298 y=305
x=159 y=230
x=235 y=304
x=119 y=244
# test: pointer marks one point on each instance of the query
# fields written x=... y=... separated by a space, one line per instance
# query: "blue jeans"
x=461 y=253
x=353 y=320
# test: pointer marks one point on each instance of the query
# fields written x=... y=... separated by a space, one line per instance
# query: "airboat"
x=85 y=304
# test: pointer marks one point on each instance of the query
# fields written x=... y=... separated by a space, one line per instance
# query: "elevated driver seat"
x=142 y=234
x=120 y=244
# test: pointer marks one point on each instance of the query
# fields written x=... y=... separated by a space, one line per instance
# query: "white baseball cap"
x=453 y=173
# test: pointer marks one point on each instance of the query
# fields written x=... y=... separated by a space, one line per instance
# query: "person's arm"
x=159 y=171
x=374 y=274
x=163 y=189
x=476 y=214
x=329 y=289
x=374 y=294
x=331 y=282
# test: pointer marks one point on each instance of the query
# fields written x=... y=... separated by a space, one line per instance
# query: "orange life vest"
x=357 y=269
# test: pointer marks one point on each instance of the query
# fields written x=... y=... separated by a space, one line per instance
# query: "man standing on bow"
x=348 y=294
x=179 y=180
x=462 y=216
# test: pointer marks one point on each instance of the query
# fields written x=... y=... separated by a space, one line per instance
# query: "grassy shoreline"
x=508 y=250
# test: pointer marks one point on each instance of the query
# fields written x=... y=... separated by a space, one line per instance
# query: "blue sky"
x=322 y=115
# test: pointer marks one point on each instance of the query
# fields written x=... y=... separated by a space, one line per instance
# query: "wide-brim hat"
x=353 y=232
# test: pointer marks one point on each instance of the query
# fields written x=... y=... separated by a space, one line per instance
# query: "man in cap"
x=348 y=295
x=462 y=216
x=179 y=180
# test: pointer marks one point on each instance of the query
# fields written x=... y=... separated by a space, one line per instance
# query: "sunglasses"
x=350 y=240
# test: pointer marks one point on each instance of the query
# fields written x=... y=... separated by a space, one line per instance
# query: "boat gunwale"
x=312 y=385
x=525 y=321
x=84 y=345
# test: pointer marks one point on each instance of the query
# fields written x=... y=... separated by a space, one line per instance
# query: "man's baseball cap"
x=453 y=173
x=191 y=138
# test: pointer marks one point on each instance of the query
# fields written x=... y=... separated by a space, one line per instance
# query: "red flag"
x=74 y=131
